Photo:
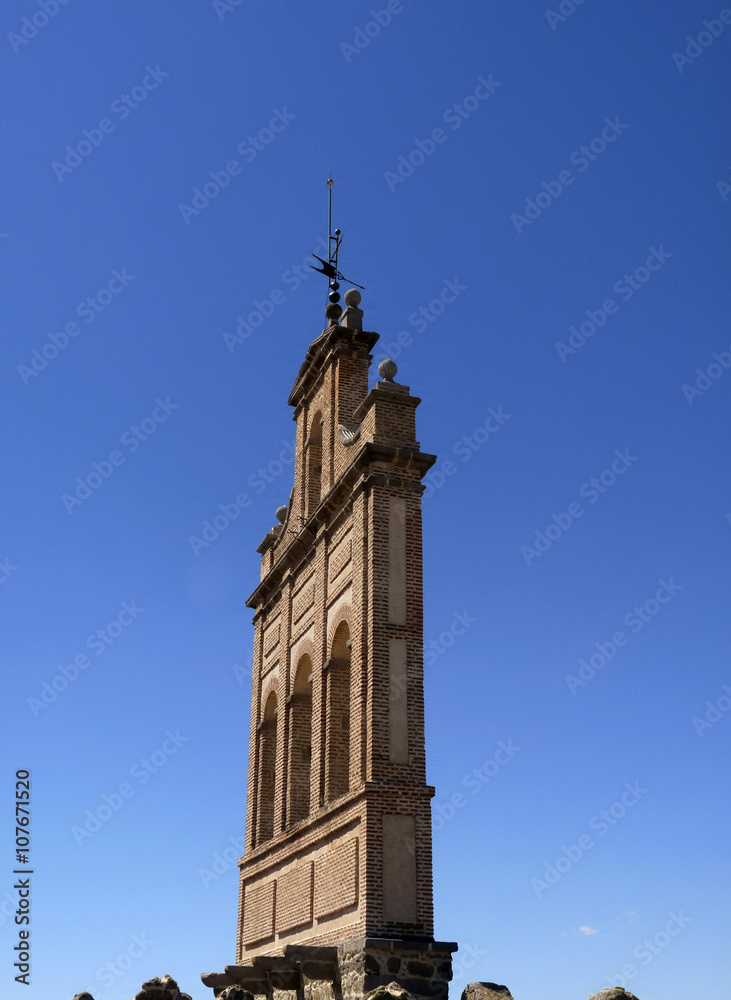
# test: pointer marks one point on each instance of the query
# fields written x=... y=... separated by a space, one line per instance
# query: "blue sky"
x=485 y=109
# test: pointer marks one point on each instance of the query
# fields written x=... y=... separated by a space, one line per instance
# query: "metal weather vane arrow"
x=330 y=266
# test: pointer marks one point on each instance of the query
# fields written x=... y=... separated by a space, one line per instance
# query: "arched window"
x=300 y=746
x=267 y=769
x=314 y=463
x=338 y=714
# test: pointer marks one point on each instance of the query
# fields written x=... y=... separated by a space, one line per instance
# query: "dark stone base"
x=347 y=972
x=422 y=967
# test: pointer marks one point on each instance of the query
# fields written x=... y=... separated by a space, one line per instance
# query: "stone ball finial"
x=281 y=513
x=333 y=312
x=352 y=297
x=387 y=369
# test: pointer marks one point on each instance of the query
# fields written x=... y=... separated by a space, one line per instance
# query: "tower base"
x=346 y=972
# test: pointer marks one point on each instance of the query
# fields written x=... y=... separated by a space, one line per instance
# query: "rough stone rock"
x=161 y=989
x=486 y=991
x=234 y=993
x=613 y=993
x=392 y=991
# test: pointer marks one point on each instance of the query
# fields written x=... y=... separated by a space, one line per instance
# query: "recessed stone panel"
x=399 y=869
x=303 y=603
x=271 y=638
x=397 y=561
x=398 y=714
x=294 y=897
x=340 y=558
x=336 y=878
x=259 y=911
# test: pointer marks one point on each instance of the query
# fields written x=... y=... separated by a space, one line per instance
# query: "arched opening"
x=267 y=769
x=338 y=714
x=314 y=463
x=300 y=747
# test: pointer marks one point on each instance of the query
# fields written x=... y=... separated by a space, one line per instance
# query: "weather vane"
x=330 y=266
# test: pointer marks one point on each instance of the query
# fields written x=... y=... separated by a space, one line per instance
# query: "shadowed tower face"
x=338 y=824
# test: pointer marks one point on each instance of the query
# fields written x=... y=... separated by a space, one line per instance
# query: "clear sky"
x=538 y=203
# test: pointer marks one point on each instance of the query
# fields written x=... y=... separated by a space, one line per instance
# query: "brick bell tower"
x=336 y=879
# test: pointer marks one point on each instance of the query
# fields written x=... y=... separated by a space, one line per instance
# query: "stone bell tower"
x=336 y=878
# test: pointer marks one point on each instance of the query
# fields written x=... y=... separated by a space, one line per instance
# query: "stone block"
x=372 y=964
x=388 y=991
x=416 y=968
x=419 y=966
x=318 y=989
x=486 y=991
x=613 y=993
x=235 y=993
x=161 y=989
